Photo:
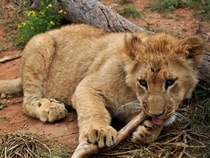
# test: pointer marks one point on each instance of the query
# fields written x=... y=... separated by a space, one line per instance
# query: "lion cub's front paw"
x=50 y=110
x=103 y=136
x=146 y=133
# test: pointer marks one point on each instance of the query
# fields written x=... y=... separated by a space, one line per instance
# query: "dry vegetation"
x=27 y=145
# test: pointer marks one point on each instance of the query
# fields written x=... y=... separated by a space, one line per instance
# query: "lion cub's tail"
x=11 y=86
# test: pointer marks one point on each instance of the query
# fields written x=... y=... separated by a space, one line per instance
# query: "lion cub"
x=98 y=73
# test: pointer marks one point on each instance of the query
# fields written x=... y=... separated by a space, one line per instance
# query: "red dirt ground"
x=65 y=132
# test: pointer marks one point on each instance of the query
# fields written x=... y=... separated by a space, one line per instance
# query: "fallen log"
x=204 y=68
x=94 y=13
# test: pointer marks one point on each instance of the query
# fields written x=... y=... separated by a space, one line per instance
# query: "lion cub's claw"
x=102 y=136
x=50 y=110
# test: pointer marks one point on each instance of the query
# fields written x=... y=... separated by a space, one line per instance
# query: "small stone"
x=3 y=95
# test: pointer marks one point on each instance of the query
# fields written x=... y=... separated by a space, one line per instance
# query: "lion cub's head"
x=162 y=69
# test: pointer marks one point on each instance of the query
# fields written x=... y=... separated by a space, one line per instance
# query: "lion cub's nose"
x=155 y=113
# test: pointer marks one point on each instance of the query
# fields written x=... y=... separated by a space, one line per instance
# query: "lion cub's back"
x=75 y=51
x=69 y=53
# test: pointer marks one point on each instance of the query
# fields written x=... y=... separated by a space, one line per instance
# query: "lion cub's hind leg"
x=37 y=57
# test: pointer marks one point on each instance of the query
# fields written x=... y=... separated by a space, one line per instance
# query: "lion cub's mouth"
x=165 y=122
x=157 y=121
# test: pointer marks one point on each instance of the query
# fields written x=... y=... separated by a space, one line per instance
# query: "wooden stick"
x=8 y=58
x=84 y=149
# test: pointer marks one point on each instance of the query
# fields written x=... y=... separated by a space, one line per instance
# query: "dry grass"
x=23 y=145
x=177 y=144
x=28 y=145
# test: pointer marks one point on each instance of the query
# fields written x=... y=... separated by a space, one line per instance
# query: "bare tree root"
x=85 y=149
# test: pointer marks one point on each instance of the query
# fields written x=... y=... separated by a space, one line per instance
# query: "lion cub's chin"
x=167 y=122
x=170 y=120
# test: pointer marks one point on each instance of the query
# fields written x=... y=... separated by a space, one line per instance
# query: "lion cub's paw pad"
x=103 y=137
x=51 y=110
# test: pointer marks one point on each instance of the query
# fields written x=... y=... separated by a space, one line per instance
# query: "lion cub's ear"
x=132 y=42
x=194 y=49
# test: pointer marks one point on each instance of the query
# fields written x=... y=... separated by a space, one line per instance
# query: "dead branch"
x=94 y=13
x=85 y=149
x=204 y=68
x=9 y=58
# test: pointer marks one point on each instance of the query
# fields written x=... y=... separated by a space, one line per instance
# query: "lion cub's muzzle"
x=159 y=113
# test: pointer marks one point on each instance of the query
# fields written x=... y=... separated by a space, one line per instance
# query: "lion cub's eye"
x=169 y=82
x=143 y=83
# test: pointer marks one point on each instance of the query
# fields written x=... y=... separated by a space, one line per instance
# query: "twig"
x=181 y=140
x=85 y=149
x=22 y=145
x=9 y=58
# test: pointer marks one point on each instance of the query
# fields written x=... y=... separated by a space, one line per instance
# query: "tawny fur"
x=97 y=73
